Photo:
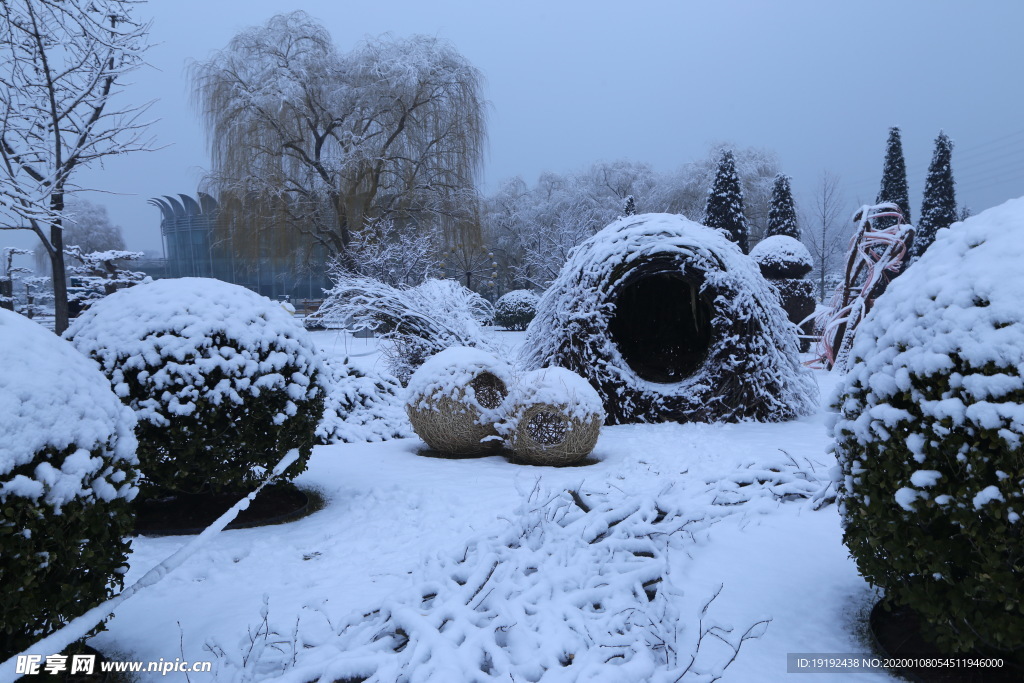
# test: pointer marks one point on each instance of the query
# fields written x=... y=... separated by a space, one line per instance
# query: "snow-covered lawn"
x=391 y=512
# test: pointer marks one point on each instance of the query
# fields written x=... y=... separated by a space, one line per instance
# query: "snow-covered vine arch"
x=669 y=320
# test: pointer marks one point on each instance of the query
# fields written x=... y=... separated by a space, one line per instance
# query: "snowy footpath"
x=480 y=569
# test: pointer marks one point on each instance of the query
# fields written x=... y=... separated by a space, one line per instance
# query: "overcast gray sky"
x=572 y=82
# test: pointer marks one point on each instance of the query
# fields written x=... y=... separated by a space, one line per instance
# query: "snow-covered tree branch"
x=63 y=60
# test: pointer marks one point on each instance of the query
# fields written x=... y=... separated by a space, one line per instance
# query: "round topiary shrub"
x=223 y=381
x=930 y=437
x=67 y=473
x=555 y=417
x=515 y=310
x=455 y=398
x=781 y=257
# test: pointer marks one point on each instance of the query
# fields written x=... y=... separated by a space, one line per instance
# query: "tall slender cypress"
x=894 y=176
x=724 y=209
x=938 y=210
x=782 y=214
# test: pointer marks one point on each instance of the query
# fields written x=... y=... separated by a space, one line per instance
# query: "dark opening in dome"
x=661 y=325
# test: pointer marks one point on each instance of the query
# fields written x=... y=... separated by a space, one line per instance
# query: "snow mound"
x=168 y=332
x=53 y=398
x=360 y=406
x=781 y=256
x=669 y=320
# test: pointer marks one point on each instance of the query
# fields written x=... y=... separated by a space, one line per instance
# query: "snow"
x=449 y=373
x=987 y=495
x=52 y=397
x=556 y=387
x=398 y=526
x=166 y=333
x=781 y=251
x=360 y=405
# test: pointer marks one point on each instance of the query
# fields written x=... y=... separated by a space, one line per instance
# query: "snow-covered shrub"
x=418 y=321
x=781 y=257
x=930 y=436
x=554 y=417
x=223 y=380
x=784 y=261
x=515 y=310
x=360 y=406
x=669 y=320
x=455 y=398
x=67 y=473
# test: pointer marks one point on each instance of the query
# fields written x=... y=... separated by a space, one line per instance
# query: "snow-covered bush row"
x=417 y=321
x=930 y=434
x=709 y=322
x=67 y=473
x=515 y=310
x=360 y=406
x=223 y=380
x=577 y=588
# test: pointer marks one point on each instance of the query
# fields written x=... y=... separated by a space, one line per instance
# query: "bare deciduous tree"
x=826 y=234
x=87 y=226
x=62 y=61
x=322 y=142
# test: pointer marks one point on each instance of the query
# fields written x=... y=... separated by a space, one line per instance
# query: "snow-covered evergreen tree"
x=724 y=209
x=782 y=214
x=894 y=177
x=629 y=206
x=938 y=210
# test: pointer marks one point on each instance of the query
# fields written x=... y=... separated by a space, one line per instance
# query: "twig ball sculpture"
x=555 y=417
x=455 y=398
x=668 y=320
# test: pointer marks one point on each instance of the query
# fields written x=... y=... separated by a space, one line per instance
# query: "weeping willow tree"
x=308 y=139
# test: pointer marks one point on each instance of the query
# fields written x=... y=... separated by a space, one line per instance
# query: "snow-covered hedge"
x=67 y=473
x=360 y=406
x=515 y=310
x=669 y=320
x=782 y=257
x=455 y=398
x=223 y=380
x=930 y=435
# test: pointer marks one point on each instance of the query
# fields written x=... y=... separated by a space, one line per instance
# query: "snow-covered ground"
x=392 y=512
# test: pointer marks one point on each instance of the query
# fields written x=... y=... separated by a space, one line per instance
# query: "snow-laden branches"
x=62 y=61
x=578 y=587
x=418 y=321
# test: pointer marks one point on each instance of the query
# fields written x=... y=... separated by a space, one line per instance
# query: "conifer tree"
x=894 y=177
x=782 y=214
x=938 y=210
x=629 y=206
x=724 y=209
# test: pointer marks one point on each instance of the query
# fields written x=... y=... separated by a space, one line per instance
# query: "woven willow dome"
x=455 y=398
x=670 y=321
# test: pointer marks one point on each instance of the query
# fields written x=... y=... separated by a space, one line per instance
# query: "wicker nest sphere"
x=782 y=257
x=554 y=419
x=455 y=398
x=668 y=320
